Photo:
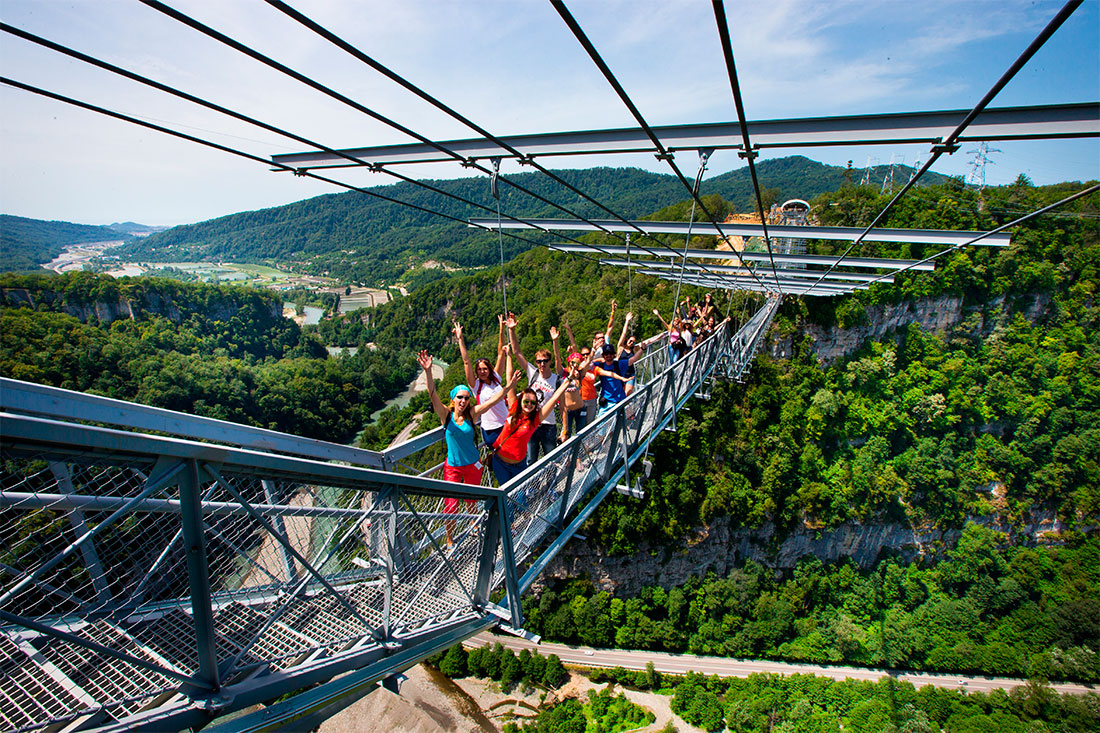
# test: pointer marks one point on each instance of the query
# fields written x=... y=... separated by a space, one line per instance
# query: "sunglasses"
x=542 y=361
x=462 y=396
x=585 y=353
x=529 y=402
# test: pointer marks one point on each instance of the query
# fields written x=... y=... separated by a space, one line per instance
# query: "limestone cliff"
x=939 y=314
x=719 y=548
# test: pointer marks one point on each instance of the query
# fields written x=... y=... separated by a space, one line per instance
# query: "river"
x=415 y=386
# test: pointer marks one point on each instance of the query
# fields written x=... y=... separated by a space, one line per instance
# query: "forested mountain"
x=360 y=238
x=217 y=351
x=997 y=417
x=27 y=243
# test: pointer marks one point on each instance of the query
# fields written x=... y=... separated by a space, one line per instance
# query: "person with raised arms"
x=484 y=377
x=524 y=417
x=462 y=465
x=629 y=350
x=544 y=380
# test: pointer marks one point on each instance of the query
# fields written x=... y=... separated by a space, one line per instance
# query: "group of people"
x=519 y=426
x=692 y=323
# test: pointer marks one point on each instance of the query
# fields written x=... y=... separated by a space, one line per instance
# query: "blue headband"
x=461 y=388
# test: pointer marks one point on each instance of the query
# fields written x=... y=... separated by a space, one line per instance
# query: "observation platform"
x=161 y=570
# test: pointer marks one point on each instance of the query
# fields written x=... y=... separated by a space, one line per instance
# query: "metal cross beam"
x=790 y=287
x=652 y=266
x=1003 y=123
x=874 y=263
x=911 y=236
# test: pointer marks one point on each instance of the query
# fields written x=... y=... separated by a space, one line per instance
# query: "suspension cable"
x=691 y=221
x=271 y=128
x=747 y=152
x=495 y=190
x=240 y=153
x=662 y=152
x=256 y=55
x=950 y=144
x=438 y=104
x=1015 y=222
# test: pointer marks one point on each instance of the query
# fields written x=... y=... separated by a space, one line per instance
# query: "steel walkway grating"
x=323 y=619
x=109 y=681
x=279 y=644
x=29 y=696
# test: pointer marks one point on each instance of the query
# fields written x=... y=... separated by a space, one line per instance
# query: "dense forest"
x=988 y=607
x=27 y=243
x=998 y=417
x=362 y=239
x=218 y=351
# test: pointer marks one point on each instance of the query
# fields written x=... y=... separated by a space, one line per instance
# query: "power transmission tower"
x=871 y=164
x=888 y=179
x=977 y=166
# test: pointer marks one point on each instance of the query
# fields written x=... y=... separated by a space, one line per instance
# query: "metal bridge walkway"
x=159 y=570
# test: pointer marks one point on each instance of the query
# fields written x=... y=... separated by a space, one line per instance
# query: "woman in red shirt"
x=524 y=415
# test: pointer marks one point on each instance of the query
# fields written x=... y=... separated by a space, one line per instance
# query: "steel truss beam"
x=651 y=265
x=728 y=282
x=727 y=229
x=792 y=288
x=1003 y=123
x=874 y=263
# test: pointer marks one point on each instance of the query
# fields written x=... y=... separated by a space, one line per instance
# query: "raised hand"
x=630 y=315
x=424 y=359
x=553 y=334
x=514 y=380
x=511 y=321
x=457 y=329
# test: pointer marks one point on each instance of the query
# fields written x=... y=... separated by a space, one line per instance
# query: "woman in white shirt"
x=484 y=376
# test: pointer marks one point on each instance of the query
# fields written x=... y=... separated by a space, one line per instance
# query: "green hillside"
x=27 y=243
x=359 y=238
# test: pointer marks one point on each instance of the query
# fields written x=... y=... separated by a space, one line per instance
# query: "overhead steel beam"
x=848 y=234
x=732 y=281
x=1003 y=123
x=746 y=272
x=874 y=263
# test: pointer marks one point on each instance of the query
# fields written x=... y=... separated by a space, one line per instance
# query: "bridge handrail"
x=199 y=567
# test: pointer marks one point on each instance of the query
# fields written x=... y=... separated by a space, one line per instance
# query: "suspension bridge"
x=162 y=571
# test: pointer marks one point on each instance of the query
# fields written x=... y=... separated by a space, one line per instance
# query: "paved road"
x=727 y=667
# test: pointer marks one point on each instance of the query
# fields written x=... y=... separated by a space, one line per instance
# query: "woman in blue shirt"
x=463 y=460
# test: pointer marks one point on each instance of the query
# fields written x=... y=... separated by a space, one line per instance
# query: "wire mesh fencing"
x=141 y=571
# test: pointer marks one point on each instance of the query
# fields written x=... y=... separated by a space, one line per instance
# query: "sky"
x=513 y=67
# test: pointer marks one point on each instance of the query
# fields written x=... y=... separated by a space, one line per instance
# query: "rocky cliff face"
x=720 y=548
x=108 y=311
x=937 y=315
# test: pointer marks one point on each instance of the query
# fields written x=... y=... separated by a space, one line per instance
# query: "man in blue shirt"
x=612 y=381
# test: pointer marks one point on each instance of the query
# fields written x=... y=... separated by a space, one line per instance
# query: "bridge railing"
x=151 y=579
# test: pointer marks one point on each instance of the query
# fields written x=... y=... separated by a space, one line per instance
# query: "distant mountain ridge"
x=359 y=238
